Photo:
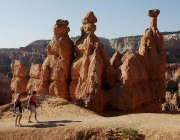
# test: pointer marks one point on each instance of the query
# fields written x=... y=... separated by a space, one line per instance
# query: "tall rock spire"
x=143 y=73
x=91 y=70
x=152 y=48
x=54 y=74
x=19 y=80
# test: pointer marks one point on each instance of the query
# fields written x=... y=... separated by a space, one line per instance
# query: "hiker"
x=32 y=103
x=18 y=110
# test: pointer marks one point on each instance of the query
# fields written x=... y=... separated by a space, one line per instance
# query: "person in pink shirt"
x=32 y=102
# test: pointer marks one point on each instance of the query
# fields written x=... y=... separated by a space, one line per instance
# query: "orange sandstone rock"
x=91 y=70
x=116 y=62
x=152 y=48
x=34 y=82
x=55 y=71
x=176 y=75
x=141 y=80
x=143 y=73
x=120 y=85
x=19 y=80
x=138 y=84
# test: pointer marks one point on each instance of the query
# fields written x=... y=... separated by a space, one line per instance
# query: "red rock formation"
x=143 y=73
x=33 y=51
x=91 y=70
x=120 y=85
x=168 y=75
x=54 y=74
x=172 y=102
x=172 y=77
x=35 y=73
x=116 y=62
x=168 y=96
x=5 y=92
x=19 y=80
x=152 y=48
x=170 y=68
x=142 y=77
x=176 y=75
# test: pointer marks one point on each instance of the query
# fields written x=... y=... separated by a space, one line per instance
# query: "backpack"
x=28 y=107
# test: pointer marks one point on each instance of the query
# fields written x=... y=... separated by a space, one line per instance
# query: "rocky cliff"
x=133 y=84
x=33 y=51
x=171 y=45
x=172 y=77
x=85 y=74
x=5 y=90
x=131 y=43
x=141 y=76
x=36 y=50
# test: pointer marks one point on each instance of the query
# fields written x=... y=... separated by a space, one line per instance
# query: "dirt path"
x=60 y=119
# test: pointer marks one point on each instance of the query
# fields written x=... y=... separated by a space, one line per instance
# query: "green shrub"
x=129 y=133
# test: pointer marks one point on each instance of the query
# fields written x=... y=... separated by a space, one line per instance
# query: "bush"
x=129 y=133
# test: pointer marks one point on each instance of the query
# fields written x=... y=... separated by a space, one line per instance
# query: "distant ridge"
x=36 y=49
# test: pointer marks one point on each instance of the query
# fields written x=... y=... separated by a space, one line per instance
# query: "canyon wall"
x=36 y=50
x=172 y=77
x=86 y=75
x=33 y=51
x=5 y=90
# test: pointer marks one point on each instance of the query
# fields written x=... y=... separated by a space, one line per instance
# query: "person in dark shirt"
x=18 y=110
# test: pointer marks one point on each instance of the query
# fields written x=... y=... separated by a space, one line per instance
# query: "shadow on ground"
x=140 y=137
x=170 y=112
x=49 y=124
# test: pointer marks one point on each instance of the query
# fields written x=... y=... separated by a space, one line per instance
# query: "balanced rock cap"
x=153 y=12
x=89 y=18
x=62 y=22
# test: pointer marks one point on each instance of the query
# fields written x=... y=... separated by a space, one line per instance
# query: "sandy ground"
x=62 y=120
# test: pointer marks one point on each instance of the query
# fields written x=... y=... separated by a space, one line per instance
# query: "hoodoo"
x=53 y=76
x=19 y=80
x=85 y=74
x=91 y=70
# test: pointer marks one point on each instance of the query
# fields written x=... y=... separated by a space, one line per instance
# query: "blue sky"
x=23 y=21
